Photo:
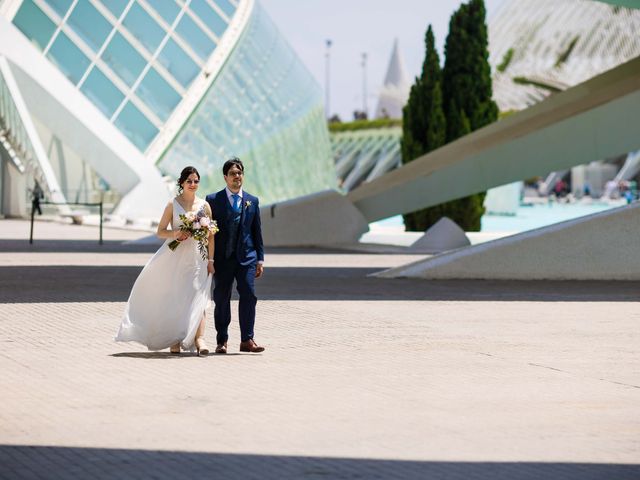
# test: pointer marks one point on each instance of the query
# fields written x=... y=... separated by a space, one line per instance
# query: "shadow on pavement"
x=149 y=244
x=153 y=355
x=26 y=462
x=38 y=284
x=167 y=355
x=74 y=246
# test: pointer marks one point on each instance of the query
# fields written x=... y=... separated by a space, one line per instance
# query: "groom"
x=238 y=256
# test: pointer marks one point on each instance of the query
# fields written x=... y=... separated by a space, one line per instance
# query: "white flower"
x=196 y=225
x=204 y=221
x=247 y=203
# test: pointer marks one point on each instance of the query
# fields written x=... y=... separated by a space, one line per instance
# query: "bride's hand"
x=211 y=269
x=180 y=235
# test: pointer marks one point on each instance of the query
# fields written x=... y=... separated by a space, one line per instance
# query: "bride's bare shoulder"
x=169 y=206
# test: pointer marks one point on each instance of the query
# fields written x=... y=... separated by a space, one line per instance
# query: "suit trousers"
x=226 y=272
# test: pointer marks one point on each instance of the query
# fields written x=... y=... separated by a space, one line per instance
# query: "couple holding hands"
x=166 y=308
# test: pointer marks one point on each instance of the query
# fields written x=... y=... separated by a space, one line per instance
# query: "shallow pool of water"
x=527 y=217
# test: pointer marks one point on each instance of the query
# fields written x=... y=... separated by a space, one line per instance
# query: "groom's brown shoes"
x=221 y=348
x=250 y=346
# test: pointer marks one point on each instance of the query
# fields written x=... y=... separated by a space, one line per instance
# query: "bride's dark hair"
x=186 y=171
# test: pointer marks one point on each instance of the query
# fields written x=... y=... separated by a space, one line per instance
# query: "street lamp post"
x=364 y=85
x=327 y=86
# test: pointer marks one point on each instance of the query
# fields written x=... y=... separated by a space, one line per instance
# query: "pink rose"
x=196 y=225
x=204 y=221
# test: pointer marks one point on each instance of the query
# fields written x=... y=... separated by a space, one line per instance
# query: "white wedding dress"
x=170 y=295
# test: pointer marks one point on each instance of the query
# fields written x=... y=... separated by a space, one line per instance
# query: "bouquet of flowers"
x=199 y=226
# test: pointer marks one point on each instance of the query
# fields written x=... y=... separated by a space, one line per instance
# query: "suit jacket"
x=249 y=248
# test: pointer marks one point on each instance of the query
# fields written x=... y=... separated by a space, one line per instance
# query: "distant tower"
x=395 y=91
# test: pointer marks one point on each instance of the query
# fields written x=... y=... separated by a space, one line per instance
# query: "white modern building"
x=540 y=47
x=537 y=48
x=112 y=98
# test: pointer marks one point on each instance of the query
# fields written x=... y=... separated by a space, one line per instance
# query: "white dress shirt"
x=230 y=195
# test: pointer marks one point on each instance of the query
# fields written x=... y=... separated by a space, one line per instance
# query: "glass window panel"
x=143 y=27
x=136 y=126
x=158 y=94
x=210 y=17
x=104 y=94
x=115 y=6
x=34 y=24
x=60 y=6
x=226 y=6
x=195 y=37
x=167 y=9
x=87 y=22
x=68 y=58
x=178 y=63
x=123 y=59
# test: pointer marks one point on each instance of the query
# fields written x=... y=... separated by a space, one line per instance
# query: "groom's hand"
x=259 y=270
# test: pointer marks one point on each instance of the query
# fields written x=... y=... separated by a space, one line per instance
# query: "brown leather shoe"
x=221 y=348
x=250 y=346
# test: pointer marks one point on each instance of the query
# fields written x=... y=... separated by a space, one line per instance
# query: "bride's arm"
x=162 y=230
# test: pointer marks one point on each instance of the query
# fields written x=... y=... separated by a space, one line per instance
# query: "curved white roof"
x=556 y=44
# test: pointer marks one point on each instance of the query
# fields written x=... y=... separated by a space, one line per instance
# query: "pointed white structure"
x=395 y=91
x=443 y=236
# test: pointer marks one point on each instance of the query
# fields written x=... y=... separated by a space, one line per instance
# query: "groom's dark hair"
x=230 y=163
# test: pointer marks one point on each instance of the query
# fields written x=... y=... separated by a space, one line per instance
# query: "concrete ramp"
x=602 y=246
x=323 y=218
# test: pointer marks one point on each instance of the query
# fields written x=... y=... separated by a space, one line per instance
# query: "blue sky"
x=357 y=26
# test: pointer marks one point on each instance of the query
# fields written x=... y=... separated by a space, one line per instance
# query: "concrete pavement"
x=362 y=378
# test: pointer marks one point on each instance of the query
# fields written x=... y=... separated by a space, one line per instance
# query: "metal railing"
x=36 y=204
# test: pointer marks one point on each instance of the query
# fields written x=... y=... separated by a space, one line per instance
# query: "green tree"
x=467 y=74
x=467 y=104
x=423 y=123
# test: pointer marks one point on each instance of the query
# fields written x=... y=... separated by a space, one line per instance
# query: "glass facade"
x=68 y=57
x=34 y=24
x=265 y=108
x=136 y=60
x=122 y=53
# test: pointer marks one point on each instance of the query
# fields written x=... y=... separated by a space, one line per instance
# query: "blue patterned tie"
x=236 y=202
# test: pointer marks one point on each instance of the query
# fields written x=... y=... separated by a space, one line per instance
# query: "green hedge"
x=364 y=124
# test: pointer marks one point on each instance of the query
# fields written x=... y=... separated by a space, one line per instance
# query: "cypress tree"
x=423 y=124
x=466 y=91
x=467 y=74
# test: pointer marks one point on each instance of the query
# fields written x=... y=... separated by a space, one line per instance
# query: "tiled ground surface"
x=362 y=377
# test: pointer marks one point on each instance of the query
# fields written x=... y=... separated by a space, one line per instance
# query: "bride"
x=167 y=304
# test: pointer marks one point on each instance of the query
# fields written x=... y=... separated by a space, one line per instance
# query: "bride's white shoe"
x=202 y=348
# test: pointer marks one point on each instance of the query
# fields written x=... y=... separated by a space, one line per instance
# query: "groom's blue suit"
x=238 y=249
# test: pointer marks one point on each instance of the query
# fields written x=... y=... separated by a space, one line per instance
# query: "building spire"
x=395 y=91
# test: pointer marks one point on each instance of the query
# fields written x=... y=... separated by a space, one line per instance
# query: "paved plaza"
x=362 y=377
